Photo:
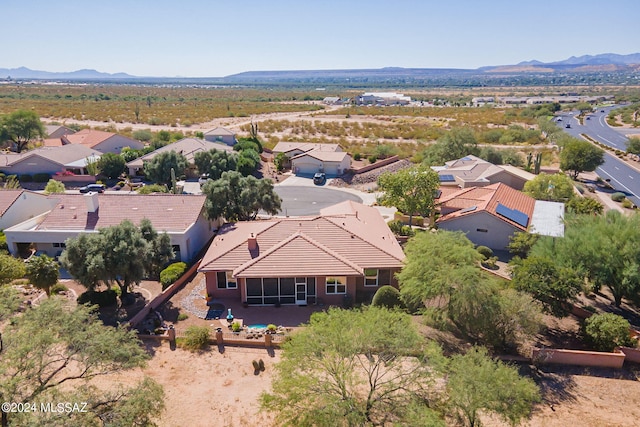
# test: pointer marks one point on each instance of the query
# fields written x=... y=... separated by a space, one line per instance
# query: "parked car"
x=567 y=125
x=203 y=179
x=319 y=178
x=93 y=188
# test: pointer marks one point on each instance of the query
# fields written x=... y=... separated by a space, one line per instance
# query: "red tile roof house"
x=105 y=142
x=307 y=158
x=180 y=216
x=490 y=215
x=346 y=250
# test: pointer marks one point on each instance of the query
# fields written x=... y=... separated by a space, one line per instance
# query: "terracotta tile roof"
x=8 y=198
x=167 y=212
x=88 y=137
x=486 y=199
x=325 y=156
x=348 y=234
x=52 y=142
x=285 y=147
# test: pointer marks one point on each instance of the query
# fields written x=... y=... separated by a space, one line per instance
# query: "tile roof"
x=188 y=147
x=167 y=212
x=325 y=156
x=486 y=199
x=347 y=236
x=8 y=198
x=474 y=169
x=285 y=147
x=62 y=155
x=220 y=131
x=88 y=137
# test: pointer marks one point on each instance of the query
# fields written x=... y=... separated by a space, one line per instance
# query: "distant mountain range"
x=606 y=62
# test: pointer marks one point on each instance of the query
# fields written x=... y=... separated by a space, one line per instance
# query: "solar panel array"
x=447 y=178
x=514 y=215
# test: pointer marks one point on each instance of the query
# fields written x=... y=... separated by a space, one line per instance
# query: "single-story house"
x=188 y=147
x=472 y=171
x=221 y=135
x=105 y=142
x=180 y=216
x=382 y=98
x=490 y=215
x=50 y=160
x=347 y=251
x=307 y=158
x=17 y=206
x=57 y=131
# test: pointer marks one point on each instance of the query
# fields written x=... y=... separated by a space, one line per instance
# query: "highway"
x=616 y=172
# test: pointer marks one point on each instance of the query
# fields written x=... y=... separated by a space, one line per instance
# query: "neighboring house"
x=490 y=215
x=188 y=147
x=180 y=216
x=57 y=131
x=346 y=250
x=105 y=142
x=306 y=158
x=222 y=135
x=51 y=160
x=17 y=206
x=472 y=171
x=382 y=98
x=479 y=101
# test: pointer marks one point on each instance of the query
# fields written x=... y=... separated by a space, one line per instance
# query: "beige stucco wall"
x=496 y=237
x=116 y=143
x=32 y=165
x=28 y=205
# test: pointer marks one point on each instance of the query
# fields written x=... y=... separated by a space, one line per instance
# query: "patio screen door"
x=301 y=293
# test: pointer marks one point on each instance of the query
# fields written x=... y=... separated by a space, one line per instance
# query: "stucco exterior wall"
x=32 y=165
x=116 y=143
x=226 y=139
x=26 y=206
x=497 y=231
x=509 y=179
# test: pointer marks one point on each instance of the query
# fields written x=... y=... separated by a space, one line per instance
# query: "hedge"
x=172 y=273
x=618 y=197
x=41 y=177
x=102 y=299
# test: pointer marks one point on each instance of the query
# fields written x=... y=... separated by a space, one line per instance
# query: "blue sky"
x=213 y=38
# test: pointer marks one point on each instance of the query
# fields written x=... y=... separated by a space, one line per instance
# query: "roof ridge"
x=292 y=237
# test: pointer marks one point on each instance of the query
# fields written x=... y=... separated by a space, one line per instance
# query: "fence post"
x=172 y=336
x=267 y=340
x=219 y=338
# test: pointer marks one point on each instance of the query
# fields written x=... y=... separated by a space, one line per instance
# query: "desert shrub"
x=3 y=243
x=153 y=188
x=25 y=178
x=606 y=331
x=271 y=327
x=41 y=177
x=618 y=197
x=57 y=288
x=395 y=226
x=183 y=316
x=406 y=230
x=196 y=338
x=172 y=273
x=485 y=251
x=626 y=203
x=387 y=296
x=101 y=299
x=235 y=326
x=357 y=156
x=373 y=159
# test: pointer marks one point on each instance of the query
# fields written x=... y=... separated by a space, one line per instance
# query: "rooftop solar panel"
x=447 y=178
x=514 y=215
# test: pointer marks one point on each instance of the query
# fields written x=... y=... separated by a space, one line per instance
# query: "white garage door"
x=306 y=168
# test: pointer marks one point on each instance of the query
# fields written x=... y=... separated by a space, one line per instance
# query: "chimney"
x=252 y=242
x=91 y=199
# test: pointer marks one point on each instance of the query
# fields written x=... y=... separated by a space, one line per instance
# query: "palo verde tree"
x=118 y=254
x=51 y=353
x=159 y=168
x=553 y=188
x=215 y=162
x=20 y=128
x=239 y=198
x=42 y=272
x=352 y=367
x=111 y=165
x=411 y=190
x=455 y=144
x=580 y=156
x=54 y=187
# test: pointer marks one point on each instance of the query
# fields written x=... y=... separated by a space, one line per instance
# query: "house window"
x=370 y=277
x=59 y=245
x=226 y=280
x=481 y=230
x=336 y=285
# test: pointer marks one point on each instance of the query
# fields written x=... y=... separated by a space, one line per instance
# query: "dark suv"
x=93 y=188
x=319 y=178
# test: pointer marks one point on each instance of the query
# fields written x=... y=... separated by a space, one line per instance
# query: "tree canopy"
x=11 y=268
x=580 y=156
x=42 y=272
x=159 y=168
x=239 y=198
x=553 y=188
x=54 y=187
x=120 y=254
x=51 y=353
x=455 y=144
x=21 y=128
x=411 y=190
x=111 y=165
x=215 y=162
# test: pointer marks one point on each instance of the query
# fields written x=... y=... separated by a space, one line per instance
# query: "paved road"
x=304 y=200
x=620 y=175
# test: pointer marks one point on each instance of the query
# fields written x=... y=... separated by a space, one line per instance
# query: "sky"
x=214 y=38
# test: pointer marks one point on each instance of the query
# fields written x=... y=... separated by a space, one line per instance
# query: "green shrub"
x=373 y=159
x=395 y=226
x=387 y=296
x=41 y=177
x=183 y=316
x=25 y=178
x=357 y=156
x=58 y=287
x=606 y=331
x=271 y=327
x=485 y=251
x=153 y=188
x=101 y=299
x=626 y=203
x=196 y=338
x=406 y=231
x=3 y=242
x=618 y=197
x=172 y=273
x=235 y=326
